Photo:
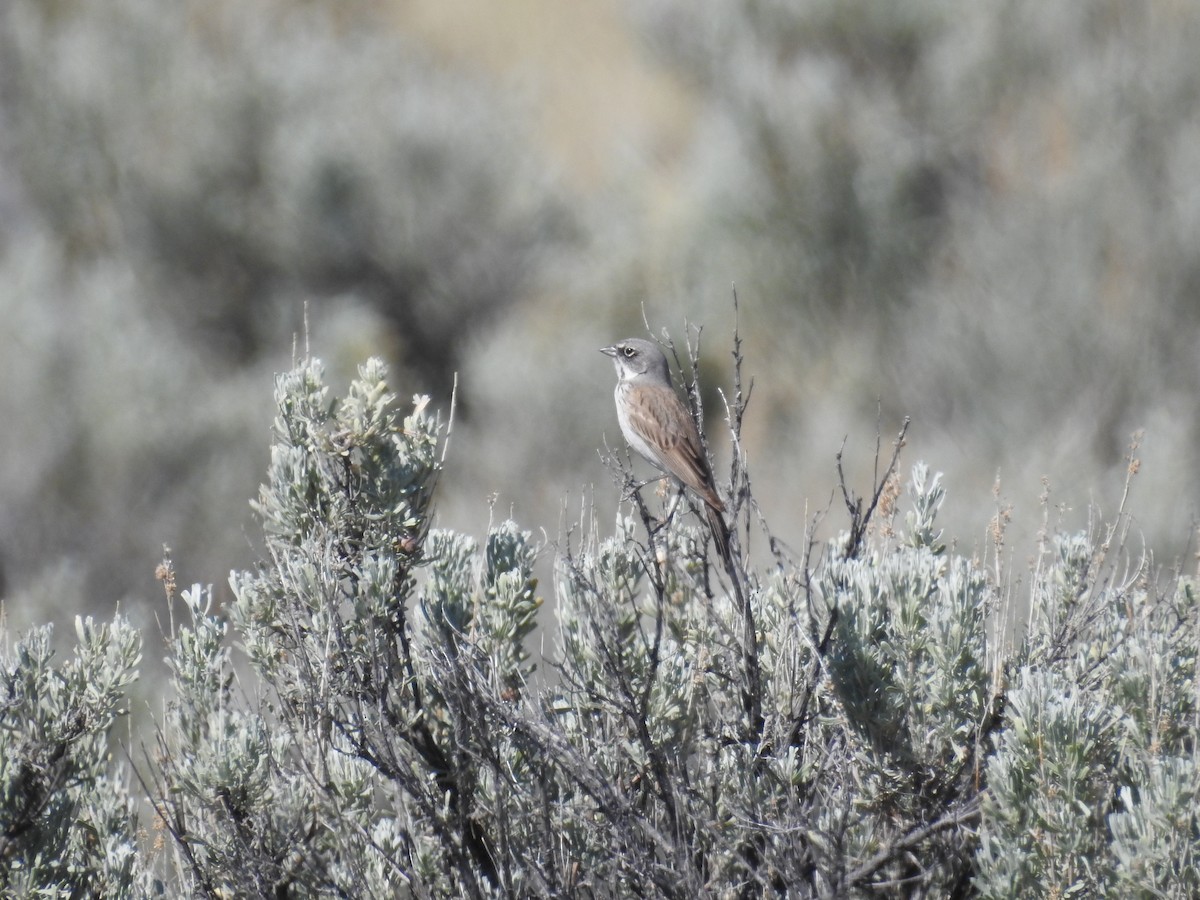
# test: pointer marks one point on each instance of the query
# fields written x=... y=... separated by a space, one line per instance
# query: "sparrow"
x=660 y=428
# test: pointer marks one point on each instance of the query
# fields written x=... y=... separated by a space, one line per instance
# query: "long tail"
x=720 y=533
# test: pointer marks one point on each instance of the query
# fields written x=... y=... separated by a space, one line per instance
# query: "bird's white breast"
x=632 y=435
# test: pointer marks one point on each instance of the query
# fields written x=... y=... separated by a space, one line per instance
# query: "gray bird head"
x=639 y=361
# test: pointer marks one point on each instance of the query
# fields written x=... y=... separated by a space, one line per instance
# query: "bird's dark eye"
x=629 y=352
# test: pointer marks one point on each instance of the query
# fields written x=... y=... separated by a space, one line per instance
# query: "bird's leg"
x=660 y=478
x=632 y=487
x=664 y=482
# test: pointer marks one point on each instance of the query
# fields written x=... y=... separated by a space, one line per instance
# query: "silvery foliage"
x=350 y=769
x=68 y=825
x=900 y=748
x=1093 y=781
x=364 y=719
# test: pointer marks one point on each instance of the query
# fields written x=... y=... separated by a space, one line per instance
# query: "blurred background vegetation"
x=985 y=216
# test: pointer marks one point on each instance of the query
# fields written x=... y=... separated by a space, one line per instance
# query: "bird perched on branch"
x=659 y=427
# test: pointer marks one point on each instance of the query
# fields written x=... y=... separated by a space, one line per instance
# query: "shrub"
x=68 y=827
x=853 y=720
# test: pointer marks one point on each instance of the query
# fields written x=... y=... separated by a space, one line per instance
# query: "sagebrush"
x=376 y=715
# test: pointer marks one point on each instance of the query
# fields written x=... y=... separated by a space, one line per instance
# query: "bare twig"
x=860 y=519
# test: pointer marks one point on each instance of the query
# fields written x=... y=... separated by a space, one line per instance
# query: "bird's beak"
x=609 y=351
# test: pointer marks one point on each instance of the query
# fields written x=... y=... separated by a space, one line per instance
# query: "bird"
x=660 y=428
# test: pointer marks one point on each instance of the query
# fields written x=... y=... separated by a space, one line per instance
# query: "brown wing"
x=662 y=419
